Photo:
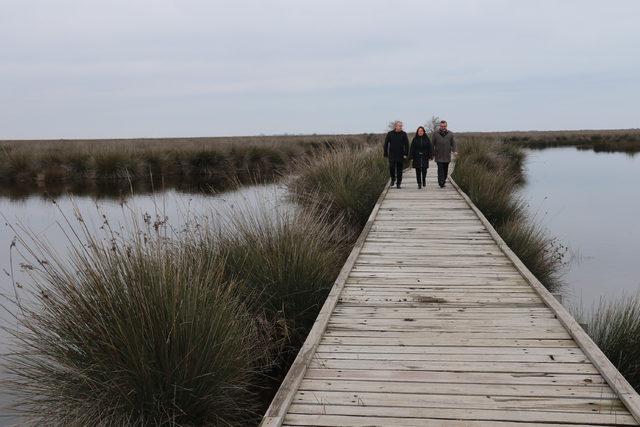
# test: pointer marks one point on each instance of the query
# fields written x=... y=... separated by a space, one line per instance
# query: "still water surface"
x=591 y=203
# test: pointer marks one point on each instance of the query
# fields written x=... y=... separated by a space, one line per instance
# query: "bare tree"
x=433 y=124
x=392 y=124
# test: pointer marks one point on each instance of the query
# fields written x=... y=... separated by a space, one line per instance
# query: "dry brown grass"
x=609 y=140
x=225 y=159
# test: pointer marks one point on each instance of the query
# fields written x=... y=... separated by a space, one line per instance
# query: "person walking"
x=421 y=152
x=396 y=148
x=443 y=146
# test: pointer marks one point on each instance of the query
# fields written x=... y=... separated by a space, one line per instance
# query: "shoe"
x=398 y=186
x=424 y=183
x=419 y=187
x=393 y=182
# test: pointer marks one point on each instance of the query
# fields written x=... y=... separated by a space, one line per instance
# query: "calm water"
x=42 y=217
x=591 y=202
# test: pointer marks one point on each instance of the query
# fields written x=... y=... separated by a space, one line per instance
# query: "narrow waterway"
x=591 y=203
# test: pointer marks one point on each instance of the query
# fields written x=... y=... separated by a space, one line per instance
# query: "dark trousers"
x=443 y=171
x=421 y=176
x=395 y=170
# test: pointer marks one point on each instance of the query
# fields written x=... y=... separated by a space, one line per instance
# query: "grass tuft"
x=615 y=327
x=348 y=181
x=543 y=255
x=136 y=333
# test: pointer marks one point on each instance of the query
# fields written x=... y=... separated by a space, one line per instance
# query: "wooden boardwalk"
x=434 y=321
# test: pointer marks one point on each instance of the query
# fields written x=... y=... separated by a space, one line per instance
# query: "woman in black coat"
x=421 y=152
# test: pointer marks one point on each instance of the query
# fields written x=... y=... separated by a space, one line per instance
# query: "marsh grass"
x=134 y=332
x=544 y=256
x=622 y=140
x=346 y=180
x=287 y=259
x=614 y=325
x=490 y=173
x=213 y=159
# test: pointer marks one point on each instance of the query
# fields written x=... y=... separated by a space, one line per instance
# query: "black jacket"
x=421 y=151
x=396 y=145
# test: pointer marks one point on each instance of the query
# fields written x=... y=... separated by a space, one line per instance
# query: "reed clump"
x=490 y=172
x=614 y=325
x=347 y=181
x=136 y=333
x=287 y=259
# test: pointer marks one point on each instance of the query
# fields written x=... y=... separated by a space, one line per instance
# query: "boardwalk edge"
x=280 y=404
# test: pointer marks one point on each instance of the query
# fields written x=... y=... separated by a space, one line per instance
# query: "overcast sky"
x=133 y=68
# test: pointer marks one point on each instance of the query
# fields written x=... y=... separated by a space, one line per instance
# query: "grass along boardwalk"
x=434 y=321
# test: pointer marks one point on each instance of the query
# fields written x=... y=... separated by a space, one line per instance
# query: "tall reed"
x=348 y=181
x=287 y=259
x=615 y=326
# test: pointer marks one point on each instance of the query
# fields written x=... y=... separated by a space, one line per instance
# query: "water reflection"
x=591 y=202
x=116 y=189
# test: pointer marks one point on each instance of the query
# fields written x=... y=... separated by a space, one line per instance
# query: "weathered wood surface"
x=433 y=321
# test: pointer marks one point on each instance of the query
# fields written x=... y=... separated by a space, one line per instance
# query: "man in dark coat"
x=396 y=148
x=443 y=146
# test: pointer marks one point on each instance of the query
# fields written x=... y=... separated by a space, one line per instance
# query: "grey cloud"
x=163 y=68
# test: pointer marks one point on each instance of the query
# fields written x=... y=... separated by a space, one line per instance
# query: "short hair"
x=443 y=121
x=398 y=122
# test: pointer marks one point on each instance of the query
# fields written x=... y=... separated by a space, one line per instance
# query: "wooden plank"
x=451 y=341
x=441 y=293
x=425 y=365
x=456 y=377
x=469 y=414
x=401 y=387
x=447 y=335
x=460 y=324
x=328 y=352
x=460 y=401
x=453 y=350
x=365 y=421
x=444 y=311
